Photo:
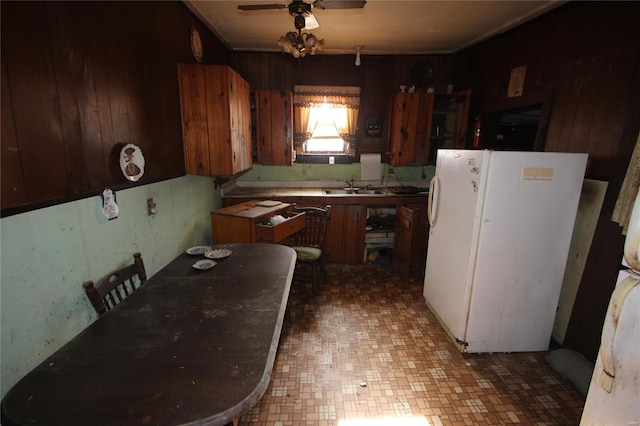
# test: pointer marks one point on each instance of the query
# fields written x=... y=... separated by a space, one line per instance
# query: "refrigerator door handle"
x=432 y=209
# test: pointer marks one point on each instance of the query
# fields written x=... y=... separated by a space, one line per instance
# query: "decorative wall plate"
x=196 y=44
x=132 y=162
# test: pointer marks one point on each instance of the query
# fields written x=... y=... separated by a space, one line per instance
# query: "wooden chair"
x=309 y=242
x=113 y=288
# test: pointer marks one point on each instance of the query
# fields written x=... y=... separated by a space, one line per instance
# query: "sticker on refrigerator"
x=537 y=173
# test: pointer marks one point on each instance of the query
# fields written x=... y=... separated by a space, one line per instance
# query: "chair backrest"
x=112 y=289
x=316 y=221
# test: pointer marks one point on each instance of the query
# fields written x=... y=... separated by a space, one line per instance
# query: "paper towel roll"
x=370 y=167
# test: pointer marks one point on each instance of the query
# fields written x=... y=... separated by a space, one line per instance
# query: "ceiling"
x=382 y=27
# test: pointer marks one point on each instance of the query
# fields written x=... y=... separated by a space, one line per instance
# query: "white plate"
x=204 y=264
x=198 y=250
x=219 y=253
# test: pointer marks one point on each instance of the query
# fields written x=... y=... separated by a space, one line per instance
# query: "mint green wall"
x=47 y=254
x=341 y=172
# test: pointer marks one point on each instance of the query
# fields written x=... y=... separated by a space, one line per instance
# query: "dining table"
x=189 y=347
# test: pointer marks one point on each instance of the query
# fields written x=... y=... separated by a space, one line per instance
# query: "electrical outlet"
x=332 y=160
x=390 y=172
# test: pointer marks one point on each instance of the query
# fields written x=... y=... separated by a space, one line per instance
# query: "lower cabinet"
x=402 y=225
x=403 y=237
x=411 y=234
x=345 y=234
x=419 y=234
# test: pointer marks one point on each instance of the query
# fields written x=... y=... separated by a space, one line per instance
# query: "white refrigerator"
x=500 y=228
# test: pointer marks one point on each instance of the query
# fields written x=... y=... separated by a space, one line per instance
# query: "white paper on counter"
x=370 y=167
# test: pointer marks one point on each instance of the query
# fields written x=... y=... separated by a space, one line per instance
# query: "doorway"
x=517 y=124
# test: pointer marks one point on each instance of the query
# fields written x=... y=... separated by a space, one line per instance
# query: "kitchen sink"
x=339 y=191
x=370 y=191
x=354 y=191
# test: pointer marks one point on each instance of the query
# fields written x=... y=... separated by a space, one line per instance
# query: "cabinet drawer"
x=277 y=233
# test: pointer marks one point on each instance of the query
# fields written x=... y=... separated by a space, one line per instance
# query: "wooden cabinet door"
x=239 y=96
x=194 y=119
x=410 y=128
x=450 y=119
x=463 y=99
x=216 y=119
x=345 y=234
x=274 y=127
x=411 y=233
x=419 y=233
x=403 y=237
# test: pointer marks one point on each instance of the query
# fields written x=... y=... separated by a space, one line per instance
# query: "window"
x=325 y=121
x=325 y=137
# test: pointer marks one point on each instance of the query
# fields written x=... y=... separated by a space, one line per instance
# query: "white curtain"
x=308 y=99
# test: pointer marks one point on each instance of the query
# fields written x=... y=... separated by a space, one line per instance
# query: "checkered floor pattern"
x=366 y=352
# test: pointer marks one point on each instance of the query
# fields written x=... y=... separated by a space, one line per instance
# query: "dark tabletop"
x=189 y=347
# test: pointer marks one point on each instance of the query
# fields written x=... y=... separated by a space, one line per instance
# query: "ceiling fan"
x=322 y=4
x=299 y=44
x=301 y=10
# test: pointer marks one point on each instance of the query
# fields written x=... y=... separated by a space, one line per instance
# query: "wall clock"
x=196 y=44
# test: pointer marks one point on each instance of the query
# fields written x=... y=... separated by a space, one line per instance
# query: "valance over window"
x=307 y=101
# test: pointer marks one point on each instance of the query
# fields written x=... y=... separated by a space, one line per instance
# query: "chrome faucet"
x=350 y=183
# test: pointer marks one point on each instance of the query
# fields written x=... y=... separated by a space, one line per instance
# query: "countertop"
x=283 y=191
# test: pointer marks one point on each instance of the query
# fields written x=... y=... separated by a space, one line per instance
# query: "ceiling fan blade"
x=261 y=6
x=339 y=4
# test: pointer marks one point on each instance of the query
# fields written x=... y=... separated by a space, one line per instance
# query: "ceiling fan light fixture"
x=287 y=42
x=313 y=45
x=300 y=44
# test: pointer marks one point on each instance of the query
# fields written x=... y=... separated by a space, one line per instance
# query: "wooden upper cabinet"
x=462 y=118
x=449 y=122
x=410 y=129
x=216 y=120
x=274 y=127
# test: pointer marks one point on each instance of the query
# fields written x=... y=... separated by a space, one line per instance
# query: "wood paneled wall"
x=82 y=79
x=584 y=57
x=379 y=77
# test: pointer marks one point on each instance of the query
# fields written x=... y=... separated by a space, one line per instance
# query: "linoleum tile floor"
x=367 y=352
